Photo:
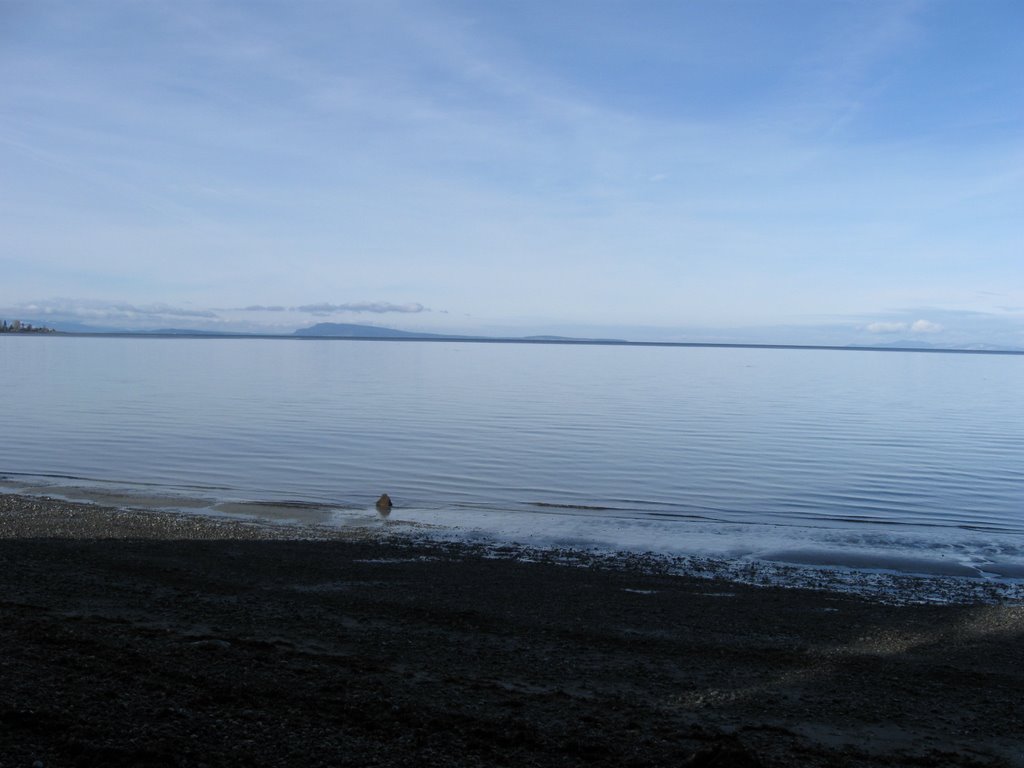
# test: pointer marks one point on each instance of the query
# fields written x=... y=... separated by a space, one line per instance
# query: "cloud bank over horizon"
x=915 y=327
x=797 y=168
x=957 y=329
x=147 y=317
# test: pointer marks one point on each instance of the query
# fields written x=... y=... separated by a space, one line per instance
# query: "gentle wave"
x=672 y=436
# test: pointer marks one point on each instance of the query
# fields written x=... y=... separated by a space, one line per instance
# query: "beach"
x=159 y=639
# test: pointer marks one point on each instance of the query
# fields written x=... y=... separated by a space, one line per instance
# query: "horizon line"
x=519 y=340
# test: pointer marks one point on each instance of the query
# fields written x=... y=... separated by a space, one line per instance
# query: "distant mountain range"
x=320 y=330
x=82 y=328
x=353 y=331
x=356 y=331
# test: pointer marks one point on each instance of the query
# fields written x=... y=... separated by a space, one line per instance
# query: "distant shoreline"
x=513 y=340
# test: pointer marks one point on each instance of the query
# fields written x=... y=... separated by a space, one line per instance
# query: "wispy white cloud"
x=376 y=307
x=322 y=309
x=886 y=327
x=110 y=310
x=1003 y=326
x=915 y=326
x=127 y=315
x=112 y=314
x=925 y=326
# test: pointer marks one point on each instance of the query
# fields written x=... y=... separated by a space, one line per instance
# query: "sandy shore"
x=143 y=639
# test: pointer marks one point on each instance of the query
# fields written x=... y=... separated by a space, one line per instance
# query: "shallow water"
x=894 y=459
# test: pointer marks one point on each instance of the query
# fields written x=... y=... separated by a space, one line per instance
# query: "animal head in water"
x=384 y=505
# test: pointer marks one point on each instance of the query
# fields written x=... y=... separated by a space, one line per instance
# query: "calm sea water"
x=787 y=454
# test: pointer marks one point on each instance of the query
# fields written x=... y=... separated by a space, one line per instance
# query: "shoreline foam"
x=928 y=550
x=45 y=517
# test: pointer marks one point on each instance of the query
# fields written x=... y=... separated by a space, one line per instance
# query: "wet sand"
x=144 y=639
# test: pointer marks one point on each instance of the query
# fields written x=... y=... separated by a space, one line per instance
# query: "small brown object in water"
x=384 y=505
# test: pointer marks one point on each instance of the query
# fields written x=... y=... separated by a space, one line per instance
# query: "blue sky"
x=820 y=171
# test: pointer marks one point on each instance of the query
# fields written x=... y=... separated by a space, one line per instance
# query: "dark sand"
x=142 y=639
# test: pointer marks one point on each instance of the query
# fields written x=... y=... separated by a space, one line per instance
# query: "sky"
x=794 y=171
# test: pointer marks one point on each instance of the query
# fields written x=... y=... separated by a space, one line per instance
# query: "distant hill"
x=352 y=330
